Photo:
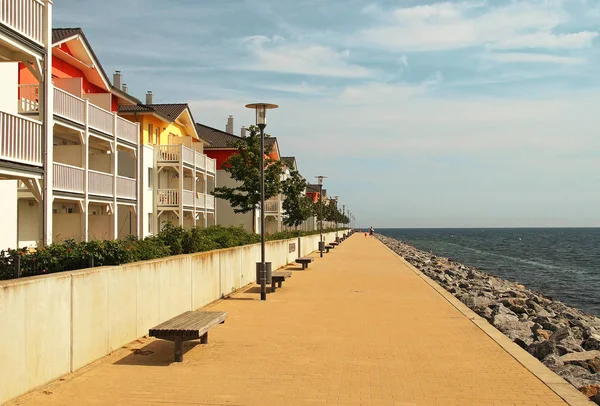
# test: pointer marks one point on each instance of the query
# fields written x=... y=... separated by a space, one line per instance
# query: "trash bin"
x=269 y=272
x=321 y=246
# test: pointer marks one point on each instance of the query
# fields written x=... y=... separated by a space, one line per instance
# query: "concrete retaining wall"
x=55 y=324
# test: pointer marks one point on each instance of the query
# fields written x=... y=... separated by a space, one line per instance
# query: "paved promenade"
x=358 y=327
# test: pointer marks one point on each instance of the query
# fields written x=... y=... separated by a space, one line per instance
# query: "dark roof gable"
x=221 y=139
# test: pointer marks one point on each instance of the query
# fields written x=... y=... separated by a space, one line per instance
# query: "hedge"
x=171 y=240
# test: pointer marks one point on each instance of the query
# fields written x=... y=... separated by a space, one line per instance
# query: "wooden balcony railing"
x=210 y=202
x=126 y=187
x=24 y=16
x=68 y=178
x=200 y=200
x=20 y=139
x=168 y=197
x=188 y=198
x=211 y=165
x=200 y=161
x=272 y=206
x=174 y=153
x=100 y=183
x=72 y=108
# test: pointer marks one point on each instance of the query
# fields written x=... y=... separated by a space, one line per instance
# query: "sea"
x=562 y=263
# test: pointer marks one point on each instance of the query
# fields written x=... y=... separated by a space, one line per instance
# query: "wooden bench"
x=188 y=326
x=278 y=278
x=335 y=243
x=304 y=261
x=330 y=246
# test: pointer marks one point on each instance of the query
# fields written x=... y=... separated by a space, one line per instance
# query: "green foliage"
x=244 y=167
x=172 y=240
x=297 y=207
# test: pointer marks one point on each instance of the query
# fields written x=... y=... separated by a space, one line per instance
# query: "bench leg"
x=273 y=288
x=303 y=266
x=178 y=349
x=279 y=284
x=204 y=338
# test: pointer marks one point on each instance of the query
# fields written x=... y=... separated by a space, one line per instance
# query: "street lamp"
x=261 y=122
x=337 y=239
x=321 y=242
x=344 y=218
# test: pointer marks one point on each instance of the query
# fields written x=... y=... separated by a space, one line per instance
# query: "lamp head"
x=320 y=178
x=261 y=112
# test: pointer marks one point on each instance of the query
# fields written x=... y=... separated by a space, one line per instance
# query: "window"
x=157 y=136
x=150 y=224
x=150 y=134
x=150 y=178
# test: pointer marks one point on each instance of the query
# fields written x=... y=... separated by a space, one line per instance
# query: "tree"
x=296 y=206
x=244 y=167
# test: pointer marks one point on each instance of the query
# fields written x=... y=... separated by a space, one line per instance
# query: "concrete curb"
x=557 y=384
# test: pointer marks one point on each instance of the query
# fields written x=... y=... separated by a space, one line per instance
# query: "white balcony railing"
x=200 y=200
x=100 y=183
x=127 y=130
x=68 y=178
x=24 y=16
x=210 y=202
x=20 y=139
x=100 y=119
x=168 y=197
x=72 y=108
x=188 y=198
x=200 y=160
x=211 y=165
x=188 y=155
x=272 y=206
x=168 y=153
x=126 y=188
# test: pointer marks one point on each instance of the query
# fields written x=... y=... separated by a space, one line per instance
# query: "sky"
x=420 y=113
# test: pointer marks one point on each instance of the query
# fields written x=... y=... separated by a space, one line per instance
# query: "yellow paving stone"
x=360 y=326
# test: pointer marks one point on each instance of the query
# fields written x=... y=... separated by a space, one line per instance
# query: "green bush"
x=171 y=240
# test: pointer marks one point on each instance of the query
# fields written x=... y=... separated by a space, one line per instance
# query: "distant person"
x=371 y=231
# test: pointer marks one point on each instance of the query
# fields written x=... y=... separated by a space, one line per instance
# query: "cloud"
x=522 y=57
x=456 y=25
x=275 y=54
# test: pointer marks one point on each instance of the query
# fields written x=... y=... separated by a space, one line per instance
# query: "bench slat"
x=189 y=323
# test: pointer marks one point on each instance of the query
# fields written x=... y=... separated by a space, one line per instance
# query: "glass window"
x=150 y=223
x=150 y=134
x=150 y=178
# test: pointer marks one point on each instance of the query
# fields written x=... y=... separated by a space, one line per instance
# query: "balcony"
x=170 y=198
x=68 y=178
x=25 y=17
x=272 y=206
x=176 y=153
x=73 y=108
x=20 y=140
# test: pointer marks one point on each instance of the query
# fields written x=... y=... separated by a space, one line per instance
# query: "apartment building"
x=220 y=148
x=177 y=178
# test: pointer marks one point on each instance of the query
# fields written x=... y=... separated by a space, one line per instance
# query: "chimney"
x=149 y=98
x=117 y=79
x=243 y=132
x=229 y=127
x=124 y=88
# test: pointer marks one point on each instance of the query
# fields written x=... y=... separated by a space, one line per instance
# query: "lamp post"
x=344 y=218
x=261 y=122
x=321 y=242
x=337 y=239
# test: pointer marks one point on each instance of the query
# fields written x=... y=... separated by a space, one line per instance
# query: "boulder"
x=589 y=360
x=576 y=375
x=592 y=343
x=553 y=361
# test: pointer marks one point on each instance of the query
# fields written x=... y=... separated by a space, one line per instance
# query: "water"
x=563 y=263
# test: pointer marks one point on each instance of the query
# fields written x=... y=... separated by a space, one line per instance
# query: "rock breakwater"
x=564 y=338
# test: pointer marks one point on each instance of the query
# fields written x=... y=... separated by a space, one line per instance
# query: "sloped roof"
x=134 y=108
x=222 y=139
x=312 y=188
x=172 y=110
x=290 y=161
x=60 y=34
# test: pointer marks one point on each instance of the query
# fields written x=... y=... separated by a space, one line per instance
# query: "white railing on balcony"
x=211 y=165
x=168 y=197
x=68 y=106
x=168 y=153
x=127 y=130
x=20 y=139
x=188 y=198
x=100 y=119
x=68 y=178
x=272 y=206
x=29 y=98
x=24 y=16
x=188 y=155
x=210 y=202
x=200 y=200
x=126 y=187
x=200 y=160
x=72 y=108
x=100 y=183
